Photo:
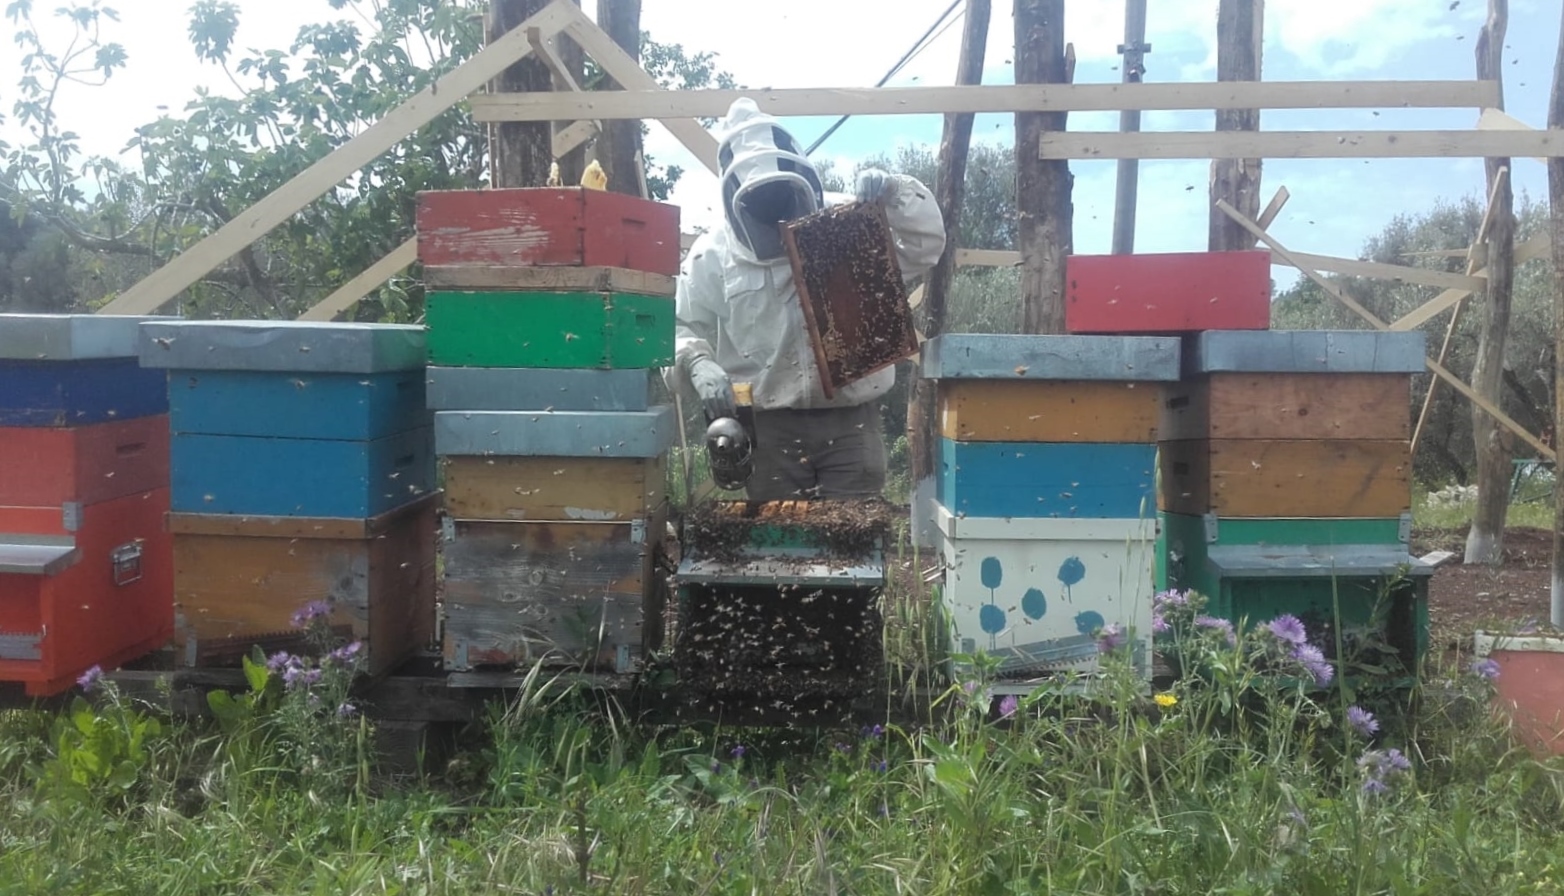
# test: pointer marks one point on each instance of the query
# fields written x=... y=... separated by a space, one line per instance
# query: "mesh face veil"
x=766 y=179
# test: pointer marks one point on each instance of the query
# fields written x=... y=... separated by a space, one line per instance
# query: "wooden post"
x=1045 y=230
x=618 y=149
x=950 y=191
x=1239 y=31
x=1134 y=50
x=1556 y=204
x=1485 y=539
x=519 y=152
x=573 y=161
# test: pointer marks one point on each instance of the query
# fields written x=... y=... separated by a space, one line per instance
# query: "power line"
x=901 y=63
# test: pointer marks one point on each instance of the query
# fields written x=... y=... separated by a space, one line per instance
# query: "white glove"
x=711 y=383
x=874 y=184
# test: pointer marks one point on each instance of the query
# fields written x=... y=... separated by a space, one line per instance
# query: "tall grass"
x=1235 y=779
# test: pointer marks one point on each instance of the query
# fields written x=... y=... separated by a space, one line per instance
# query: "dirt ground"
x=1463 y=599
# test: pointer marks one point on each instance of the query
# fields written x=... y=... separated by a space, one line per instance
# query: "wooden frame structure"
x=1496 y=134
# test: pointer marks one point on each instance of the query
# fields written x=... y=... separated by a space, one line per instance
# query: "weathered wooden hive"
x=85 y=566
x=1286 y=482
x=302 y=471
x=547 y=310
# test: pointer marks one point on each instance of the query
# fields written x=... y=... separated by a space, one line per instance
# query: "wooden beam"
x=653 y=103
x=1380 y=271
x=1300 y=144
x=351 y=292
x=1499 y=120
x=1273 y=208
x=1532 y=249
x=158 y=288
x=1374 y=321
x=625 y=70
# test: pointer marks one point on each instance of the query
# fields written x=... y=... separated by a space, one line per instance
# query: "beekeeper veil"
x=766 y=179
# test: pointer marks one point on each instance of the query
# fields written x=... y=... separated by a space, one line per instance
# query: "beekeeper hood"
x=766 y=179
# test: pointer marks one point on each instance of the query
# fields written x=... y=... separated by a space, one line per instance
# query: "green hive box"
x=1253 y=570
x=603 y=330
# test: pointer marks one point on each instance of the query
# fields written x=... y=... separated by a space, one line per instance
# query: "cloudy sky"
x=1335 y=205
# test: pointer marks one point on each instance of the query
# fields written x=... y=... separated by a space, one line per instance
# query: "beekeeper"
x=740 y=320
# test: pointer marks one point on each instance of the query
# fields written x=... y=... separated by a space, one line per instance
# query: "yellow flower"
x=1166 y=700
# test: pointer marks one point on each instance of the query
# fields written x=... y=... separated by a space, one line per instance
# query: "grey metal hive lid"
x=647 y=433
x=282 y=346
x=70 y=337
x=1312 y=561
x=1305 y=351
x=1010 y=356
x=537 y=388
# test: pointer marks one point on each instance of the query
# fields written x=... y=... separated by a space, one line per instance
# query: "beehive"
x=1173 y=292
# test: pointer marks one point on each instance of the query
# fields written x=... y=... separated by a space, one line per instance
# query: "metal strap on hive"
x=21 y=646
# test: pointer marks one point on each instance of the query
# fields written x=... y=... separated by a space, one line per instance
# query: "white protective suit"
x=743 y=312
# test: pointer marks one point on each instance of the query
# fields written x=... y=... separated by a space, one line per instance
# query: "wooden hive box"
x=74 y=370
x=568 y=595
x=239 y=580
x=1178 y=292
x=280 y=418
x=513 y=278
x=55 y=466
x=1104 y=480
x=83 y=586
x=550 y=330
x=1035 y=593
x=1049 y=411
x=538 y=389
x=551 y=226
x=1252 y=571
x=1291 y=423
x=582 y=489
x=850 y=285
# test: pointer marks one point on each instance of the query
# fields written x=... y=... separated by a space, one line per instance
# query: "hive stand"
x=85 y=566
x=303 y=470
x=548 y=309
x=1045 y=498
x=1286 y=470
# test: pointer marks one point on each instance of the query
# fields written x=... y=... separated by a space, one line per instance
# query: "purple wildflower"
x=1159 y=623
x=315 y=609
x=1221 y=625
x=90 y=678
x=970 y=687
x=1288 y=628
x=1362 y=721
x=738 y=751
x=843 y=748
x=1374 y=786
x=347 y=711
x=1487 y=668
x=281 y=660
x=1314 y=662
x=1110 y=638
x=1008 y=706
x=1380 y=768
x=881 y=766
x=296 y=676
x=873 y=732
x=346 y=653
x=1170 y=598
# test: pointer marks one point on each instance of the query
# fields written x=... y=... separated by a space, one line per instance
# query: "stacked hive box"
x=85 y=566
x=1286 y=482
x=1045 y=492
x=302 y=471
x=547 y=310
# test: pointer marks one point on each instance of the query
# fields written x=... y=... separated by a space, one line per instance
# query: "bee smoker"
x=730 y=443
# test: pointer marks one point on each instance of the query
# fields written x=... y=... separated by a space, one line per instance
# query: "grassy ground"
x=1242 y=783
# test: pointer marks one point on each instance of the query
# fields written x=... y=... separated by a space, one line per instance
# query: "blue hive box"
x=1048 y=479
x=74 y=370
x=283 y=418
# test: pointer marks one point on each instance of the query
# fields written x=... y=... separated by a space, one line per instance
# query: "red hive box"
x=570 y=226
x=1169 y=293
x=98 y=595
x=53 y=466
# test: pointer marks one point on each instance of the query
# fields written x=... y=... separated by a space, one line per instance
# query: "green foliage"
x=195 y=170
x=100 y=752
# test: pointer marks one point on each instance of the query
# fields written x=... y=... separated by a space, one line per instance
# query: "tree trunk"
x=1556 y=205
x=618 y=148
x=1485 y=540
x=950 y=189
x=572 y=163
x=1045 y=226
x=1134 y=50
x=1239 y=28
x=519 y=152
